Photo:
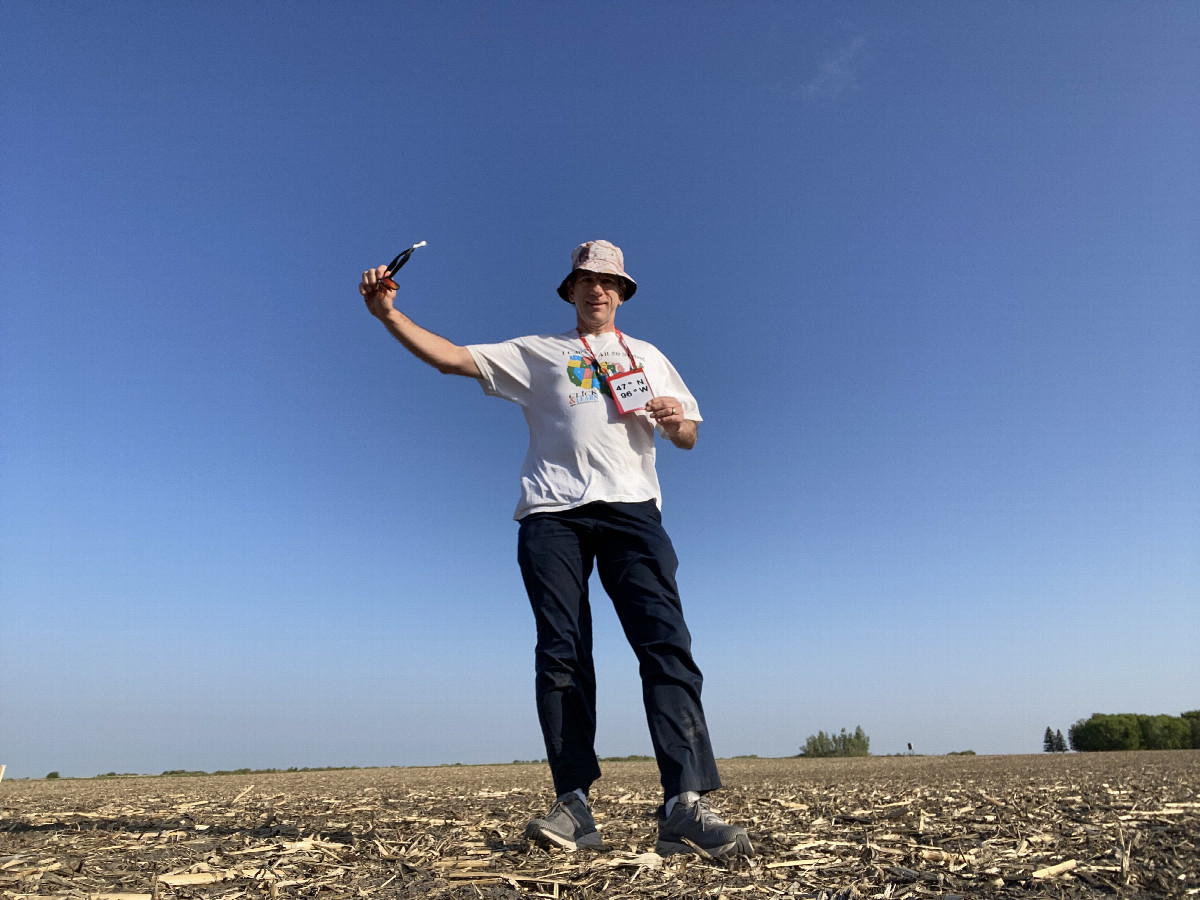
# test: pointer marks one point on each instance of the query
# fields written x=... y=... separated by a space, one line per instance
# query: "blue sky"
x=931 y=270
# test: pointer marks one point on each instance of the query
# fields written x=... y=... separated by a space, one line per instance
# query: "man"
x=590 y=496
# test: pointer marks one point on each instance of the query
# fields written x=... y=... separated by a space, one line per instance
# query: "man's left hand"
x=668 y=412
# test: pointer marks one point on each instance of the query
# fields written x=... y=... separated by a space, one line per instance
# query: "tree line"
x=1133 y=731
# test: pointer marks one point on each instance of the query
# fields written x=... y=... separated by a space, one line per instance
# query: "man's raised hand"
x=379 y=298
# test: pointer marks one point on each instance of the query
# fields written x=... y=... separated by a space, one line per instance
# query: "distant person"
x=590 y=495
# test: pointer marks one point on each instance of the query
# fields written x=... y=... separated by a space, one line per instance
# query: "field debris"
x=1080 y=825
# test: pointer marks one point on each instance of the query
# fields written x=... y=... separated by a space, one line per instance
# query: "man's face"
x=596 y=296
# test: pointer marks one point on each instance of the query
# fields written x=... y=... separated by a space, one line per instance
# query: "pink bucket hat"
x=599 y=256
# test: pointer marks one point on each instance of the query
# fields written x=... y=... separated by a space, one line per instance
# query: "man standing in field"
x=590 y=496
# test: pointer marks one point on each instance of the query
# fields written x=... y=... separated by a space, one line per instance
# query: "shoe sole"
x=739 y=847
x=550 y=840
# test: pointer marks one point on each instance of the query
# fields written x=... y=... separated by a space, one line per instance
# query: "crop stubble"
x=1079 y=825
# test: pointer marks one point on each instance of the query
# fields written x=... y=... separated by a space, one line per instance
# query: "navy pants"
x=633 y=554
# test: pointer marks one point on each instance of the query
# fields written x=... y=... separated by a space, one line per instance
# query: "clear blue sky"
x=931 y=269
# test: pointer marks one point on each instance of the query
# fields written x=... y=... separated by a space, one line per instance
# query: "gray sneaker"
x=693 y=827
x=568 y=825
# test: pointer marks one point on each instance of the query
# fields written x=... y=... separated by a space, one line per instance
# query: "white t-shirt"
x=580 y=448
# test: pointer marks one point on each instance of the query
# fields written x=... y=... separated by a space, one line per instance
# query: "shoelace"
x=703 y=814
x=562 y=806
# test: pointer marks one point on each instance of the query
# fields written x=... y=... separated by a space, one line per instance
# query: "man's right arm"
x=426 y=346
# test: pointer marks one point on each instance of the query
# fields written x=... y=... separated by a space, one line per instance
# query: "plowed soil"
x=1068 y=825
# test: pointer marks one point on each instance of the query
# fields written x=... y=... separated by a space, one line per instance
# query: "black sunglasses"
x=396 y=265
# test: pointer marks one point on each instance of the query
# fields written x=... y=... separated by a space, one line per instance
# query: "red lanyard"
x=620 y=337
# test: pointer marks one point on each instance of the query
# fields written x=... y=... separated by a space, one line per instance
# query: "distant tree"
x=52 y=775
x=857 y=744
x=1193 y=720
x=1060 y=742
x=1164 y=732
x=1048 y=741
x=1104 y=732
x=818 y=745
x=1076 y=736
x=823 y=745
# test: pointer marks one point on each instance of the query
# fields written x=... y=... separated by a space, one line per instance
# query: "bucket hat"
x=598 y=256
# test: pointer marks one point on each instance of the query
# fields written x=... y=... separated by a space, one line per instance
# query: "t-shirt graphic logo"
x=583 y=374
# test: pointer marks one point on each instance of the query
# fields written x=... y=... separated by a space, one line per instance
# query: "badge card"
x=630 y=390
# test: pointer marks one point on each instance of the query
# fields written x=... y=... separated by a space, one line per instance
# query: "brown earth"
x=1078 y=825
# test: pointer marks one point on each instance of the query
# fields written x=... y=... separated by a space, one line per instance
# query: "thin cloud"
x=839 y=73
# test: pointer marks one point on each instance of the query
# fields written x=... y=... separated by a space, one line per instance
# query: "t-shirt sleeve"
x=673 y=386
x=503 y=370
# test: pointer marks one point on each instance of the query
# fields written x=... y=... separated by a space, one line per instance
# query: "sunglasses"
x=396 y=265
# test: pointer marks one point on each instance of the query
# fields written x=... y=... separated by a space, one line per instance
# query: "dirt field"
x=1090 y=825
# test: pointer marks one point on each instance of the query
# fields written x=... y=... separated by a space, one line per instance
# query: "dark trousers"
x=637 y=564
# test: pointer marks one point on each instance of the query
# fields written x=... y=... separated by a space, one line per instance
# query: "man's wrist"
x=684 y=435
x=392 y=317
